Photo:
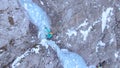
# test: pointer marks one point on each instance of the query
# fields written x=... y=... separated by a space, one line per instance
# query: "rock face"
x=89 y=28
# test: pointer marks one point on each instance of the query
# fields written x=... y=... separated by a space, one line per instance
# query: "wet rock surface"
x=88 y=28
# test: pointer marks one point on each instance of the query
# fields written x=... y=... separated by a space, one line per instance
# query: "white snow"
x=96 y=22
x=85 y=33
x=100 y=43
x=36 y=49
x=97 y=48
x=116 y=54
x=105 y=17
x=71 y=32
x=41 y=2
x=111 y=41
x=44 y=43
x=83 y=24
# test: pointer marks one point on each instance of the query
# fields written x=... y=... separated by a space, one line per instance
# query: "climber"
x=49 y=33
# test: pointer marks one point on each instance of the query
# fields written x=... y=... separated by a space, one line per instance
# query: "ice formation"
x=68 y=59
x=40 y=19
x=37 y=16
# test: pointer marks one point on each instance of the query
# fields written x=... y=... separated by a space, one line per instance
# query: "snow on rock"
x=71 y=32
x=111 y=40
x=83 y=24
x=116 y=54
x=85 y=33
x=18 y=59
x=44 y=43
x=105 y=17
x=36 y=49
x=100 y=43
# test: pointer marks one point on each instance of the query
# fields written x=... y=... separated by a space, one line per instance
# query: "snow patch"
x=100 y=43
x=85 y=33
x=36 y=49
x=111 y=41
x=116 y=54
x=18 y=59
x=83 y=24
x=71 y=32
x=44 y=43
x=97 y=48
x=41 y=2
x=105 y=17
x=96 y=22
